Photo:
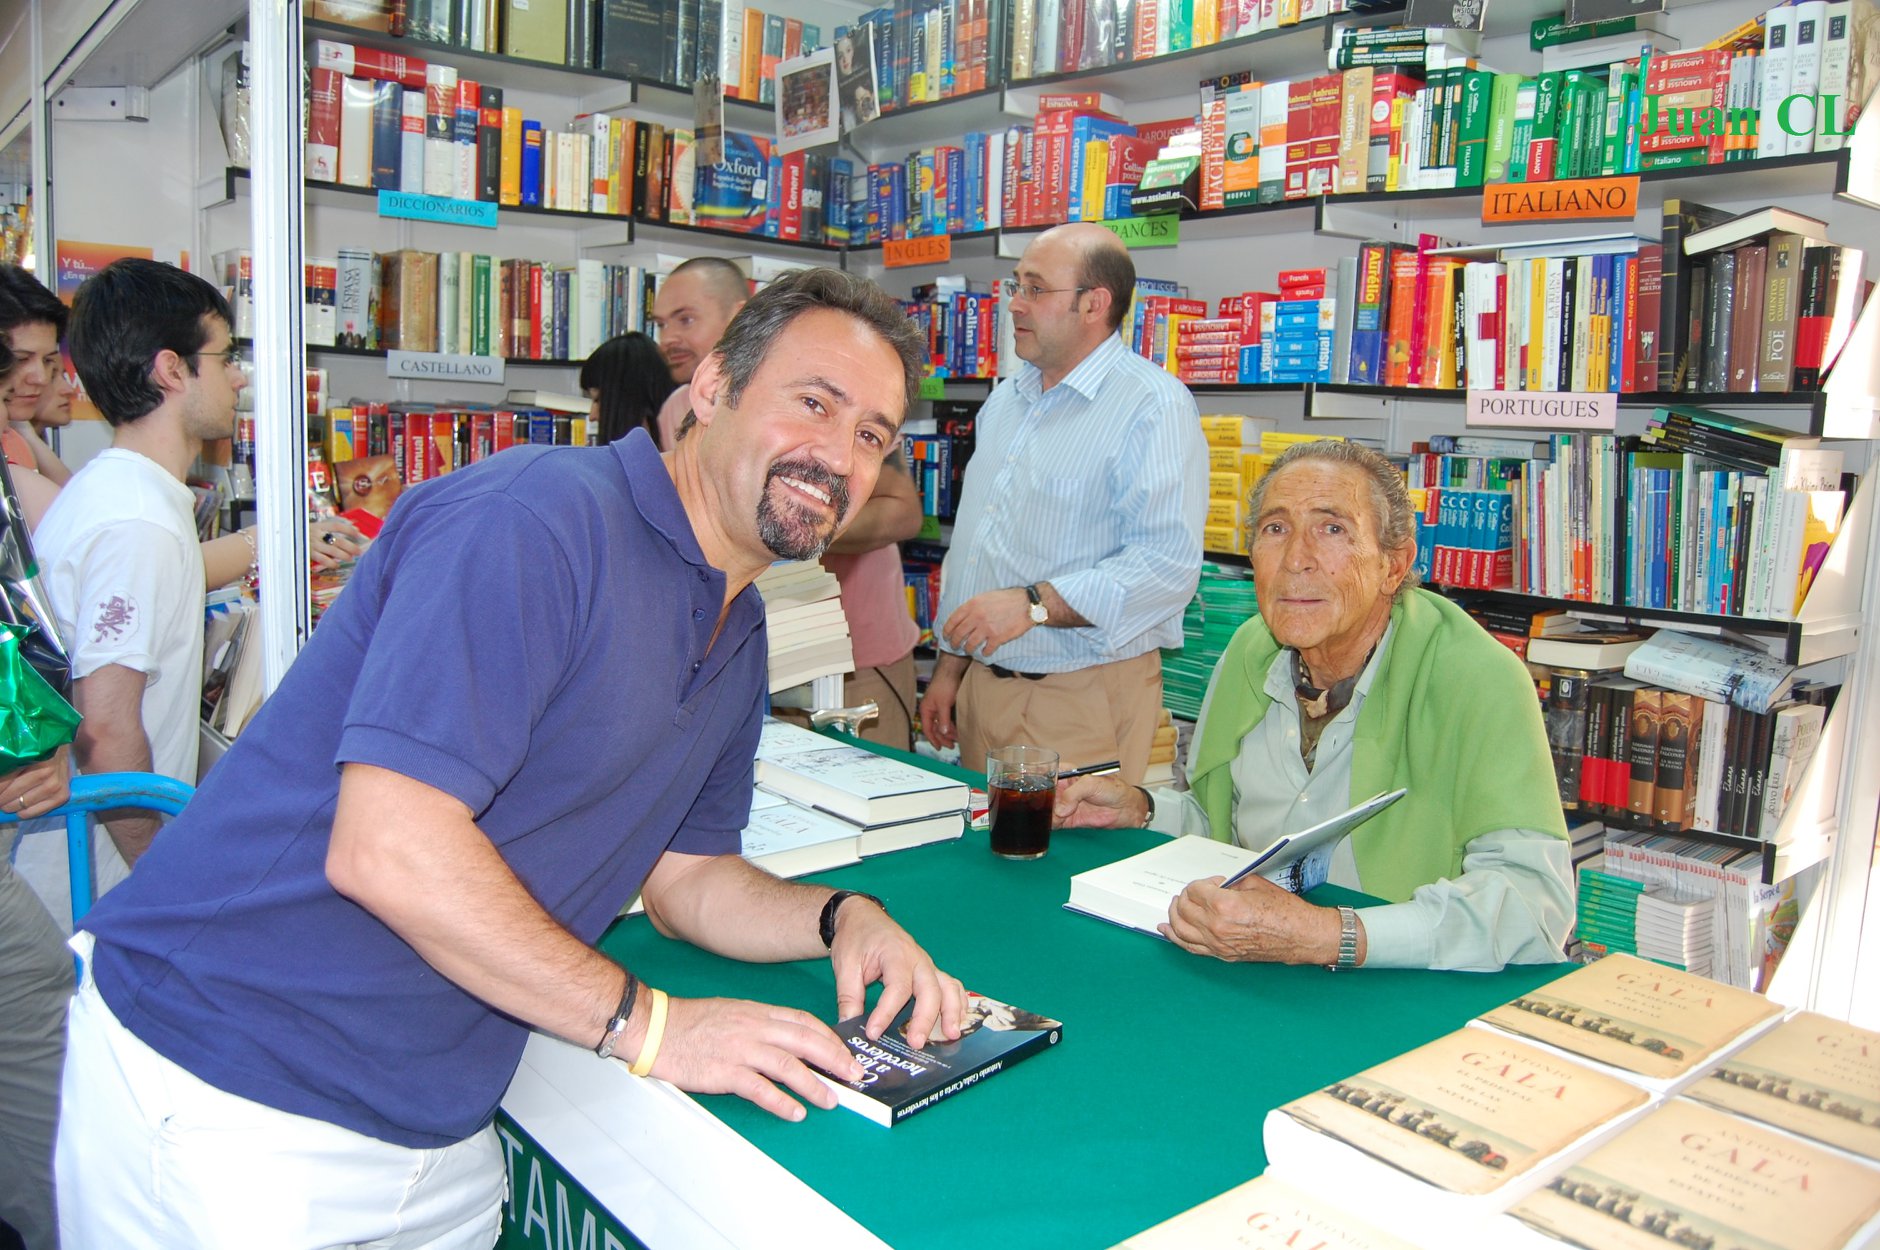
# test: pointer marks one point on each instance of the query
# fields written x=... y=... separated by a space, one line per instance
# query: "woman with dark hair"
x=628 y=380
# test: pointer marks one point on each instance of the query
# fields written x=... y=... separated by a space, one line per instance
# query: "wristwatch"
x=1347 y=941
x=827 y=925
x=1038 y=614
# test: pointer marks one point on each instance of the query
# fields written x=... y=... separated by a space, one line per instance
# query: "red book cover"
x=1290 y=278
x=1054 y=101
x=1251 y=305
x=358 y=62
x=1230 y=306
x=1322 y=156
x=322 y=153
x=418 y=449
x=1204 y=377
x=395 y=442
x=505 y=431
x=1129 y=156
x=1298 y=136
x=1071 y=35
x=1142 y=42
x=1642 y=360
x=482 y=436
x=444 y=442
x=1501 y=337
x=1541 y=159
x=1385 y=88
x=790 y=213
x=1814 y=316
x=533 y=278
x=1159 y=133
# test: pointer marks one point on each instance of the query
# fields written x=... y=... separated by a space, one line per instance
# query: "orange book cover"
x=1403 y=299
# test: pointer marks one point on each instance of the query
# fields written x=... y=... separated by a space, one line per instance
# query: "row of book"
x=466 y=303
x=1060 y=36
x=961 y=328
x=803 y=618
x=1224 y=601
x=1624 y=1104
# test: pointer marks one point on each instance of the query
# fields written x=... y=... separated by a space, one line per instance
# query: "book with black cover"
x=900 y=1081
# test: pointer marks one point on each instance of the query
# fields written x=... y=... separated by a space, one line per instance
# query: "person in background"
x=1077 y=539
x=328 y=967
x=1350 y=682
x=34 y=342
x=119 y=550
x=35 y=983
x=628 y=380
x=866 y=560
x=695 y=303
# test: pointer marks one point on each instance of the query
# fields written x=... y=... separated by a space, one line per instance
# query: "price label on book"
x=440 y=367
x=1573 y=199
x=1160 y=230
x=933 y=388
x=438 y=208
x=1545 y=410
x=929 y=249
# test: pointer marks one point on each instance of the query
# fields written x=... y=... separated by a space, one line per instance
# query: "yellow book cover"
x=1821 y=521
x=1229 y=430
x=1645 y=1018
x=1468 y=1112
x=1689 y=1175
x=1253 y=467
x=1224 y=460
x=1264 y=1214
x=751 y=73
x=1224 y=485
x=509 y=187
x=1276 y=441
x=1811 y=1075
x=339 y=435
x=1394 y=163
x=1207 y=24
x=1223 y=538
x=1537 y=321
x=1096 y=174
x=1288 y=13
x=1223 y=513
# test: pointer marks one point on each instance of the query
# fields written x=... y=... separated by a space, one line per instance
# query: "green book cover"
x=1501 y=106
x=1472 y=152
x=480 y=306
x=1524 y=101
x=1570 y=124
x=1618 y=89
x=1598 y=116
x=1552 y=30
x=1181 y=27
x=1547 y=105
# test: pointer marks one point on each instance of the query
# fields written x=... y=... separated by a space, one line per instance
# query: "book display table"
x=1152 y=1103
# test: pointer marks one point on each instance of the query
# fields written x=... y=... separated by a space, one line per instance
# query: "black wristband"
x=827 y=925
x=618 y=1025
x=1149 y=801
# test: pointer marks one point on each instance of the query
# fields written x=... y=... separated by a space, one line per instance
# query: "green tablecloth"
x=1151 y=1103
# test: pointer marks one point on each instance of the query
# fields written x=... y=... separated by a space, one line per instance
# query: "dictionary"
x=899 y=1081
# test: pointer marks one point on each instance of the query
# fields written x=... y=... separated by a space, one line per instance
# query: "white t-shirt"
x=122 y=565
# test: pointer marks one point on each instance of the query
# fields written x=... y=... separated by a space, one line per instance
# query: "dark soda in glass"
x=1021 y=815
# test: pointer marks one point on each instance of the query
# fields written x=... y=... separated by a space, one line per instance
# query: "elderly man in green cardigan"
x=1352 y=681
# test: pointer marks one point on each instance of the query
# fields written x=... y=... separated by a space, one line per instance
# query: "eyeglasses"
x=1030 y=294
x=231 y=358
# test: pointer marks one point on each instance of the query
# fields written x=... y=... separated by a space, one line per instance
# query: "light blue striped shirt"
x=1098 y=486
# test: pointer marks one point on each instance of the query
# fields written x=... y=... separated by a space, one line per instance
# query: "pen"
x=1088 y=769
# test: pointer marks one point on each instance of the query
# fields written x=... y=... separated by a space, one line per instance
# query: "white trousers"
x=151 y=1156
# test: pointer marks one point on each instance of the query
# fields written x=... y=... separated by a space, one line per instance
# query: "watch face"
x=1037 y=613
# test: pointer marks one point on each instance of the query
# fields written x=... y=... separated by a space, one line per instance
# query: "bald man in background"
x=694 y=305
x=1077 y=543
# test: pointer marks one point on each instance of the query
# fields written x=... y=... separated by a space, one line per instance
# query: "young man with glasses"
x=118 y=549
x=1078 y=539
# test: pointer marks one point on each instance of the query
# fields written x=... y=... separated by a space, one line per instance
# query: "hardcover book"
x=1813 y=1076
x=1659 y=1026
x=1693 y=1176
x=851 y=782
x=900 y=1081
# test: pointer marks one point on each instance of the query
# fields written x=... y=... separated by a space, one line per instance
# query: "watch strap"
x=1031 y=593
x=826 y=926
x=1347 y=941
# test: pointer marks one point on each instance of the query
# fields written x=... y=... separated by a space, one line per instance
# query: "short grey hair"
x=1390 y=499
x=765 y=316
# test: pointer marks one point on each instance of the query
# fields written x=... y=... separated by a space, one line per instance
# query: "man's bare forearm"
x=119 y=748
x=1059 y=614
x=724 y=905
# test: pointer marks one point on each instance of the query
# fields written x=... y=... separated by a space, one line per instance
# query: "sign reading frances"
x=1572 y=199
x=1544 y=410
x=1156 y=230
x=928 y=249
x=481 y=213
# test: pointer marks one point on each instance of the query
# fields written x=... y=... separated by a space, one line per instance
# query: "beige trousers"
x=1094 y=715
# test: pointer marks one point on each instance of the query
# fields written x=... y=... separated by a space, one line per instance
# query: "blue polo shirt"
x=532 y=635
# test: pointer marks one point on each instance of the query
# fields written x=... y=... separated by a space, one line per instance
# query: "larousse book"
x=1264 y=1214
x=900 y=1081
x=1689 y=1175
x=1658 y=1025
x=1816 y=1077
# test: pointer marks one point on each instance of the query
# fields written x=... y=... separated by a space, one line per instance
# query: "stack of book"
x=1161 y=769
x=960 y=321
x=889 y=805
x=1223 y=602
x=809 y=634
x=1240 y=449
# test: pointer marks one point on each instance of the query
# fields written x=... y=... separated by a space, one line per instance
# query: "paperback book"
x=1655 y=1025
x=1813 y=1076
x=1265 y=1213
x=899 y=1080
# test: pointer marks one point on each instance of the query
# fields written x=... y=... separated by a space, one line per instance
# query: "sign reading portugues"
x=546 y=1208
x=440 y=367
x=1574 y=199
x=438 y=208
x=928 y=249
x=1544 y=410
x=1158 y=230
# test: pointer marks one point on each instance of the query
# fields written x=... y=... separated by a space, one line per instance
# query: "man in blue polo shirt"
x=539 y=694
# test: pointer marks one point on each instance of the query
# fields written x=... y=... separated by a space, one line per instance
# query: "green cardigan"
x=1451 y=714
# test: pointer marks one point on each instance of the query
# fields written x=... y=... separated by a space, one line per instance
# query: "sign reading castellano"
x=440 y=367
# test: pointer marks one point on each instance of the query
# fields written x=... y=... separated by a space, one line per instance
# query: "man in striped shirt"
x=1078 y=538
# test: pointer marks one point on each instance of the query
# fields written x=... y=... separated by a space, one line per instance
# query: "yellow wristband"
x=655 y=1032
